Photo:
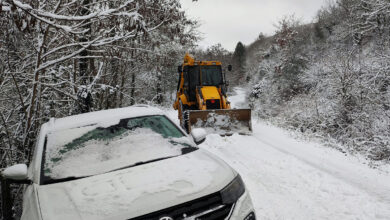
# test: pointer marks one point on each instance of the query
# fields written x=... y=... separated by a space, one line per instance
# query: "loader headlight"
x=232 y=192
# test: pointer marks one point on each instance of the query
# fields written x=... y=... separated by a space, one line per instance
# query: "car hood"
x=136 y=191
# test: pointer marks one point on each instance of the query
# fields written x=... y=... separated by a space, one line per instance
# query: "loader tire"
x=186 y=117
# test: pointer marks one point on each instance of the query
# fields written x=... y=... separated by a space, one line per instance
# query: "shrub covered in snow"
x=329 y=79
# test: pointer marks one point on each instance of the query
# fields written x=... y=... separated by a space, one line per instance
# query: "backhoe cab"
x=201 y=99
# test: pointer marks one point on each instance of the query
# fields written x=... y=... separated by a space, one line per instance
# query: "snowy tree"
x=293 y=60
x=330 y=78
x=60 y=58
x=239 y=62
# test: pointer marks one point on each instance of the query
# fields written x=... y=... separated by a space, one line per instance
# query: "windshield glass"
x=193 y=76
x=95 y=149
x=211 y=75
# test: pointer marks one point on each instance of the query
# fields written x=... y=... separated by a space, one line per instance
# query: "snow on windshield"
x=92 y=150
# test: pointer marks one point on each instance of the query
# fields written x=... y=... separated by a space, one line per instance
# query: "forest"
x=61 y=58
x=328 y=79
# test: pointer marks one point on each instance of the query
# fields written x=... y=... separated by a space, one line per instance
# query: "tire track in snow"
x=284 y=187
x=292 y=180
x=288 y=179
x=358 y=175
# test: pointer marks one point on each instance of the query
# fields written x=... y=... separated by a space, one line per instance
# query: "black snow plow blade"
x=221 y=121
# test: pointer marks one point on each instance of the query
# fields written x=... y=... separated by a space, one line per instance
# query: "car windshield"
x=100 y=148
x=211 y=75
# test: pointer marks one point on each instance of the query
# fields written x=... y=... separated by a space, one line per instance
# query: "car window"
x=96 y=149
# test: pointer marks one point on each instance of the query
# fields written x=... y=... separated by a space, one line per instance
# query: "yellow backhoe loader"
x=201 y=99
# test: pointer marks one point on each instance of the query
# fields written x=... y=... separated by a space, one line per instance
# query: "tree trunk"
x=132 y=91
x=85 y=98
x=159 y=94
x=123 y=79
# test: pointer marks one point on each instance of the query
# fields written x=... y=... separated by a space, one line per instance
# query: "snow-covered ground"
x=238 y=99
x=291 y=179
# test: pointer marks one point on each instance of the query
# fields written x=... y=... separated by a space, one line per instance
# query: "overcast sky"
x=230 y=21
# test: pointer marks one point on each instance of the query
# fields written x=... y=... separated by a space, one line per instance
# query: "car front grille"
x=205 y=208
x=211 y=105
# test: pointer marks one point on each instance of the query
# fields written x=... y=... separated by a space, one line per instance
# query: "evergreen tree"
x=239 y=59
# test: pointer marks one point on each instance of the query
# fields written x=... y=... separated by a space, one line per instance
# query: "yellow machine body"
x=201 y=99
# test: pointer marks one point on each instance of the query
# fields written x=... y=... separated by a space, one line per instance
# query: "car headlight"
x=232 y=192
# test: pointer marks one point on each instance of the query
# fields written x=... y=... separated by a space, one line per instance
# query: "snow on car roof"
x=104 y=117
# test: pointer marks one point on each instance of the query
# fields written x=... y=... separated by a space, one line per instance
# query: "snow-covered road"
x=291 y=179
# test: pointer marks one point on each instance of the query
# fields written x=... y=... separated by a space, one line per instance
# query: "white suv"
x=129 y=163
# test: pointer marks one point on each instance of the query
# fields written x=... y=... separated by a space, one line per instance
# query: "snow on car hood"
x=136 y=191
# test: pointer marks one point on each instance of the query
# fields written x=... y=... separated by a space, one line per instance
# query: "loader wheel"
x=186 y=116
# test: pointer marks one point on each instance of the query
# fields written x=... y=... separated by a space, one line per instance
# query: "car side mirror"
x=179 y=69
x=230 y=67
x=16 y=173
x=199 y=135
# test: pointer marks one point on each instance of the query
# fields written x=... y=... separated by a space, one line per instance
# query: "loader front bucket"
x=221 y=121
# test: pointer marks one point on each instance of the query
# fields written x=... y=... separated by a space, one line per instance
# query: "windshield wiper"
x=141 y=163
x=50 y=180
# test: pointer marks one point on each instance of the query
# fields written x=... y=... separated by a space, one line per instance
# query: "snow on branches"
x=330 y=79
x=66 y=57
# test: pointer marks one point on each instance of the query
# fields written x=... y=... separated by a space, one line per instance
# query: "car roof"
x=103 y=116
